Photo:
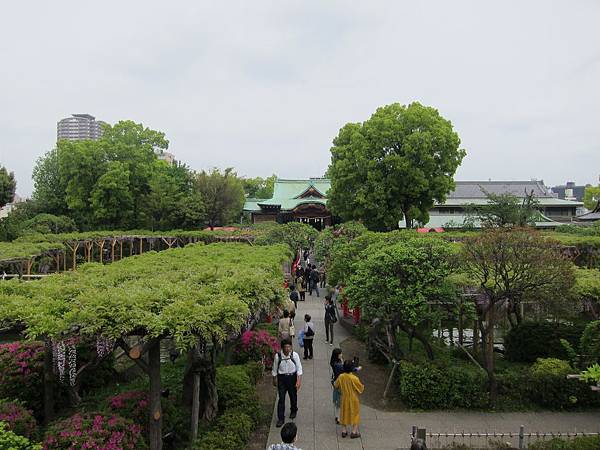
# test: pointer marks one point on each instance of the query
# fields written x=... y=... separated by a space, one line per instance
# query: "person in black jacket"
x=330 y=319
x=314 y=279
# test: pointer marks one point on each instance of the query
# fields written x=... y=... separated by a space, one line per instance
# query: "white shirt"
x=287 y=366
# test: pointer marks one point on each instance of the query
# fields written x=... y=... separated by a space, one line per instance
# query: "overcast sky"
x=264 y=86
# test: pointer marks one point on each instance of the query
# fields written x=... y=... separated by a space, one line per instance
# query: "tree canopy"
x=8 y=186
x=591 y=197
x=507 y=210
x=394 y=165
x=259 y=187
x=117 y=182
x=223 y=195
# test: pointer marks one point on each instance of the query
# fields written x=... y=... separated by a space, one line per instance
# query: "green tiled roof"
x=286 y=193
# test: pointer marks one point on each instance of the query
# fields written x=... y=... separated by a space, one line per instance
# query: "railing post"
x=413 y=433
x=521 y=437
x=422 y=434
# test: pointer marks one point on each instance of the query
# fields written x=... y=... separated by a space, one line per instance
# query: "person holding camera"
x=350 y=387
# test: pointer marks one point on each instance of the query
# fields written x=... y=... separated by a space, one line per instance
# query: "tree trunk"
x=201 y=365
x=489 y=357
x=195 y=408
x=475 y=338
x=155 y=416
x=421 y=338
x=48 y=383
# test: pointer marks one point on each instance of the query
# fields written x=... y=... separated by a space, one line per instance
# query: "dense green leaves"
x=259 y=187
x=196 y=291
x=223 y=195
x=8 y=186
x=393 y=166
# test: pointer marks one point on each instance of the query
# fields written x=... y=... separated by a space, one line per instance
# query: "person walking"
x=289 y=435
x=307 y=279
x=336 y=363
x=309 y=334
x=294 y=296
x=350 y=388
x=323 y=276
x=301 y=288
x=314 y=278
x=287 y=377
x=283 y=329
x=330 y=319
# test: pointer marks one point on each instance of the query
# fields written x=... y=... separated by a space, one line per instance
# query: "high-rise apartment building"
x=78 y=127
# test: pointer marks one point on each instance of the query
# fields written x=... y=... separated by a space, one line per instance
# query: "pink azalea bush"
x=18 y=419
x=257 y=346
x=21 y=372
x=94 y=431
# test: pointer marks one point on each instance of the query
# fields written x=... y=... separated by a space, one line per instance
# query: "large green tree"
x=259 y=187
x=394 y=165
x=223 y=195
x=591 y=197
x=8 y=186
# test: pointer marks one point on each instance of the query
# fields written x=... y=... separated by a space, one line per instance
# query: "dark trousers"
x=302 y=296
x=286 y=384
x=328 y=331
x=308 y=348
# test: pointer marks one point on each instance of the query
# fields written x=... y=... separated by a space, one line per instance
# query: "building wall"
x=79 y=127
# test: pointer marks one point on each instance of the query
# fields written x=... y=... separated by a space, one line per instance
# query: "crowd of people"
x=287 y=366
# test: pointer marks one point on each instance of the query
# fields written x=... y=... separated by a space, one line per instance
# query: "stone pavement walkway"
x=391 y=430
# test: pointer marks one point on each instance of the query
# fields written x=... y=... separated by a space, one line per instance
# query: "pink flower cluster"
x=132 y=405
x=258 y=346
x=22 y=354
x=94 y=431
x=18 y=418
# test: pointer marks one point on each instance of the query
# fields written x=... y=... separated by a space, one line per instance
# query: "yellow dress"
x=350 y=387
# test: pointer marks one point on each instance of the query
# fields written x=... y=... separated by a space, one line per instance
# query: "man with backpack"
x=294 y=296
x=287 y=376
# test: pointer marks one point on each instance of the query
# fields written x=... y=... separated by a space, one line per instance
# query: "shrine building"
x=293 y=200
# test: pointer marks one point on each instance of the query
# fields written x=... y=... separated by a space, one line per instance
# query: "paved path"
x=390 y=430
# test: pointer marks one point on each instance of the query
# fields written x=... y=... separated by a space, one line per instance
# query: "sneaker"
x=331 y=343
x=293 y=415
x=279 y=423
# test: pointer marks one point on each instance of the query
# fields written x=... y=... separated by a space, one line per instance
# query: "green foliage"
x=548 y=386
x=332 y=237
x=427 y=386
x=188 y=293
x=507 y=210
x=117 y=182
x=578 y=443
x=235 y=390
x=512 y=266
x=18 y=419
x=591 y=230
x=591 y=197
x=48 y=223
x=261 y=188
x=394 y=165
x=12 y=441
x=8 y=186
x=529 y=341
x=295 y=234
x=592 y=374
x=590 y=343
x=223 y=195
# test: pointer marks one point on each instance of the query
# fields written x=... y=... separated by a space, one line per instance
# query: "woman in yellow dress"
x=350 y=387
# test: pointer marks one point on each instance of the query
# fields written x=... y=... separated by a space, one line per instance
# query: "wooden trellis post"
x=141 y=246
x=89 y=247
x=100 y=245
x=113 y=242
x=121 y=250
x=73 y=249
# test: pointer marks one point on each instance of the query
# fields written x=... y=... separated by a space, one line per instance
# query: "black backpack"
x=310 y=332
x=294 y=296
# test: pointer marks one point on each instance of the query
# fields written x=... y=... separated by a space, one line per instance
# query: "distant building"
x=166 y=156
x=453 y=213
x=79 y=127
x=293 y=200
x=569 y=191
x=6 y=209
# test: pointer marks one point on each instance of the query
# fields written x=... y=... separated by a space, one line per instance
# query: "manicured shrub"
x=12 y=441
x=548 y=386
x=254 y=370
x=532 y=340
x=18 y=419
x=578 y=443
x=21 y=373
x=235 y=390
x=590 y=343
x=230 y=432
x=94 y=431
x=270 y=328
x=256 y=346
x=426 y=386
